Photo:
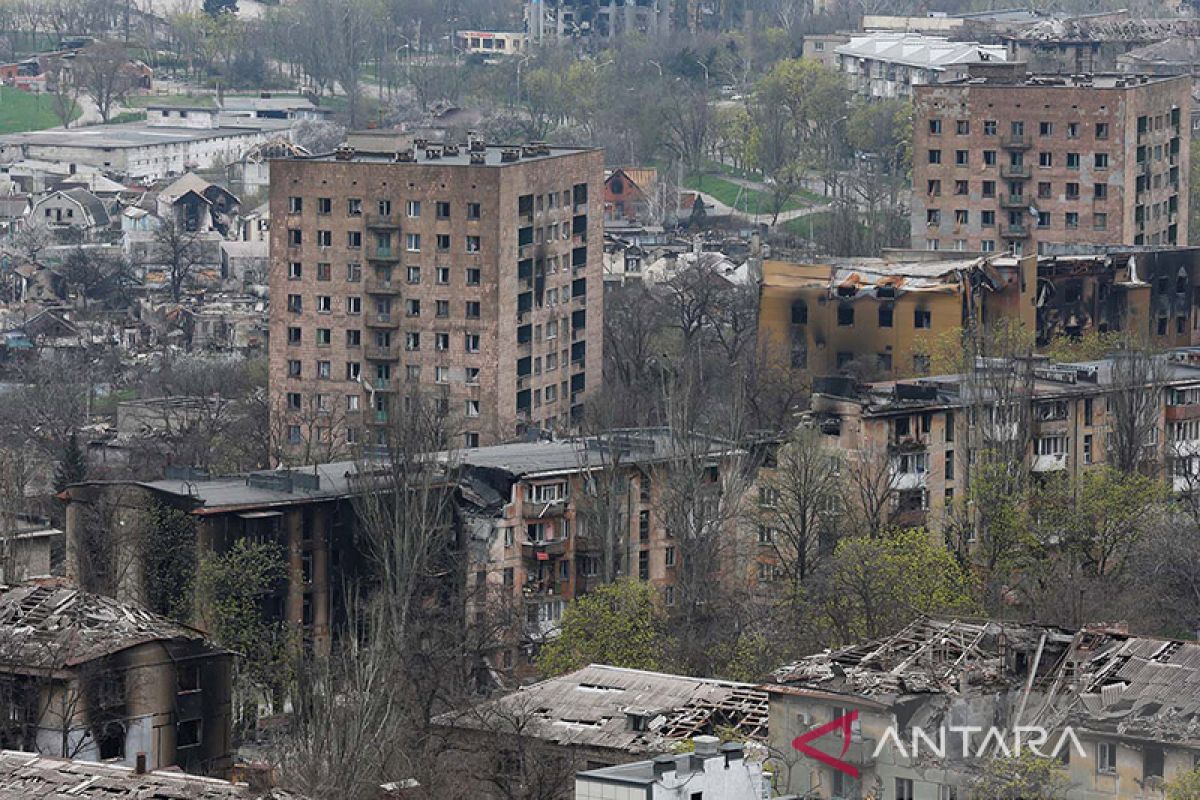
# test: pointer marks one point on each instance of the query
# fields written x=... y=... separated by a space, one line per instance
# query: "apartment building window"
x=441 y=342
x=1045 y=128
x=353 y=272
x=987 y=219
x=1071 y=220
x=961 y=216
x=886 y=313
x=442 y=276
x=1044 y=190
x=412 y=307
x=962 y=157
x=324 y=271
x=472 y=408
x=904 y=789
x=295 y=237
x=442 y=308
x=473 y=311
x=962 y=127
x=1087 y=448
x=324 y=337
x=1043 y=219
x=471 y=340
x=412 y=242
x=442 y=242
x=412 y=341
x=472 y=244
x=442 y=209
x=989 y=127
x=324 y=238
x=987 y=246
x=1106 y=757
x=294 y=369
x=935 y=127
x=962 y=187
x=471 y=439
x=473 y=211
x=414 y=275
x=1101 y=160
x=1017 y=128
x=294 y=335
x=1072 y=160
x=989 y=158
x=922 y=318
x=989 y=189
x=353 y=370
x=354 y=207
x=845 y=315
x=354 y=240
x=644 y=525
x=932 y=244
x=935 y=156
x=473 y=276
x=293 y=401
x=323 y=370
x=324 y=304
x=1072 y=130
x=1101 y=130
x=324 y=206
x=1072 y=191
x=933 y=216
x=353 y=338
x=295 y=271
x=293 y=434
x=472 y=378
x=295 y=303
x=384 y=207
x=1050 y=445
x=295 y=205
x=412 y=209
x=949 y=465
x=1099 y=221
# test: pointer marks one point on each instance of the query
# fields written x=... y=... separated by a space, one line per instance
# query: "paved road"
x=720 y=209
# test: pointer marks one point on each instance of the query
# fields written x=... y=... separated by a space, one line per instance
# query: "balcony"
x=1014 y=201
x=1051 y=462
x=383 y=221
x=386 y=254
x=381 y=417
x=552 y=548
x=377 y=286
x=383 y=320
x=1022 y=171
x=536 y=591
x=377 y=353
x=1016 y=141
x=904 y=481
x=1011 y=231
x=383 y=385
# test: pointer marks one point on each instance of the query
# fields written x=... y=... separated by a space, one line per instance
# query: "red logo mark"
x=842 y=723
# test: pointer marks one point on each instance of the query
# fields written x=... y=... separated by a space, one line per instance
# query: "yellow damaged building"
x=876 y=314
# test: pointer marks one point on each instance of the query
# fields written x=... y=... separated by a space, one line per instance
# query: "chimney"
x=140 y=765
x=706 y=746
x=733 y=751
x=663 y=765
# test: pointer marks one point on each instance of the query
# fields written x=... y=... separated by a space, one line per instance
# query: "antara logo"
x=845 y=724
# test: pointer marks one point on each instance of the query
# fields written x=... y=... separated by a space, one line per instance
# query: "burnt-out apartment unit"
x=468 y=276
x=84 y=676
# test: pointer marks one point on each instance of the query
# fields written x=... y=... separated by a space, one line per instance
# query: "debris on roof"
x=52 y=625
x=622 y=709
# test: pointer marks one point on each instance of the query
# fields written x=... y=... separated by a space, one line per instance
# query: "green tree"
x=1184 y=786
x=168 y=554
x=876 y=585
x=1023 y=777
x=232 y=589
x=73 y=466
x=620 y=624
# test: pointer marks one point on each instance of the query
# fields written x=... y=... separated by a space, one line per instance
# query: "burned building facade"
x=87 y=677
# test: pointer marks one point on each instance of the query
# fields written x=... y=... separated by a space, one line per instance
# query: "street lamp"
x=520 y=63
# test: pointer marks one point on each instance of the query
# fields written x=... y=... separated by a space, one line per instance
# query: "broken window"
x=1106 y=757
x=845 y=315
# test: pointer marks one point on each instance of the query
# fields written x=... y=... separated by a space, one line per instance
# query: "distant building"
x=550 y=21
x=1091 y=43
x=710 y=770
x=1004 y=160
x=633 y=195
x=85 y=676
x=492 y=43
x=822 y=48
x=880 y=316
x=74 y=208
x=884 y=65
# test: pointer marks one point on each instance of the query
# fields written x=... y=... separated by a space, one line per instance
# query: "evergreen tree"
x=73 y=466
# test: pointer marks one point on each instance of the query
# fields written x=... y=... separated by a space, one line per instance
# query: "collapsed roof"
x=622 y=709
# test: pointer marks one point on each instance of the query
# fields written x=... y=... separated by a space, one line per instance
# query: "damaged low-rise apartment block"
x=1054 y=417
x=1126 y=701
x=83 y=676
x=596 y=717
x=546 y=522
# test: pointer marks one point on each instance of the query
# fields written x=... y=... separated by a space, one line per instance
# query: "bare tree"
x=103 y=72
x=179 y=252
x=1135 y=404
x=869 y=490
x=63 y=90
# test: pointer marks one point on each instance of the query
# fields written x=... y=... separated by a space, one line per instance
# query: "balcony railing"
x=1015 y=171
x=1011 y=231
x=1014 y=200
x=1016 y=141
x=383 y=220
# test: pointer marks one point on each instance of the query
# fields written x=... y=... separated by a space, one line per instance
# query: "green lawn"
x=127 y=116
x=22 y=111
x=747 y=200
x=725 y=169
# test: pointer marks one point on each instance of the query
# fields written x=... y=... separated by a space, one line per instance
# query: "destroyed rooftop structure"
x=50 y=626
x=1100 y=680
x=620 y=712
x=27 y=776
